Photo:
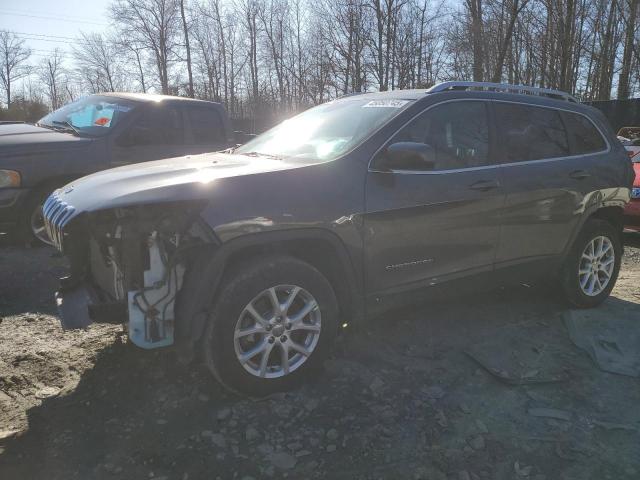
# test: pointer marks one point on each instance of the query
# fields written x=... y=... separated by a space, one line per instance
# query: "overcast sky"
x=44 y=24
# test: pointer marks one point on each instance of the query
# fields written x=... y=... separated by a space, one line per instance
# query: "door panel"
x=545 y=185
x=543 y=207
x=424 y=226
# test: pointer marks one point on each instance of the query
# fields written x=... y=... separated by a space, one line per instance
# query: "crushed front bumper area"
x=147 y=311
x=127 y=266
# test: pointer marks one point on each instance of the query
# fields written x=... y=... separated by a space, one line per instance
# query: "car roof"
x=425 y=95
x=152 y=97
x=420 y=94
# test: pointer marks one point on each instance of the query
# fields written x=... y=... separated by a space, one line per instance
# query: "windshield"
x=94 y=115
x=325 y=132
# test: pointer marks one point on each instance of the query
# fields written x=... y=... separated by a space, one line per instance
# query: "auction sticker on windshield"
x=385 y=104
x=102 y=122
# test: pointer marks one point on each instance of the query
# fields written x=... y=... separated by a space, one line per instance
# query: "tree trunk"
x=186 y=43
x=8 y=86
x=475 y=9
x=144 y=87
x=627 y=56
x=504 y=46
x=223 y=53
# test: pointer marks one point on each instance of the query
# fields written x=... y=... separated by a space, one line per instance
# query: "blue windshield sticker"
x=387 y=103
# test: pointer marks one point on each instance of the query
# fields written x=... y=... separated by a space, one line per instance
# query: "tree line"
x=274 y=57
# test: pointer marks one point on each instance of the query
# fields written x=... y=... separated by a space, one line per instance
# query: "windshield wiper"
x=46 y=125
x=258 y=154
x=69 y=126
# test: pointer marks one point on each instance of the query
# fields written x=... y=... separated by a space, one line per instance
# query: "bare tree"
x=250 y=11
x=185 y=30
x=53 y=76
x=97 y=63
x=474 y=8
x=515 y=7
x=273 y=16
x=152 y=24
x=273 y=57
x=13 y=57
x=627 y=56
x=133 y=53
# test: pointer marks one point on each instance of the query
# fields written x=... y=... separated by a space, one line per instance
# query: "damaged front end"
x=126 y=265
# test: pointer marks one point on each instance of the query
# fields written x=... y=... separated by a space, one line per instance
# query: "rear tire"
x=267 y=296
x=591 y=268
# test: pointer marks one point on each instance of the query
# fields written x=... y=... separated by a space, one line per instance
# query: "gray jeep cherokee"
x=253 y=258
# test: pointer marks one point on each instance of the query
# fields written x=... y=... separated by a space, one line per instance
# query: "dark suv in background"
x=254 y=258
x=95 y=133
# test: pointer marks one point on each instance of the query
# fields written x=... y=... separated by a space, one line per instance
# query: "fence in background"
x=620 y=113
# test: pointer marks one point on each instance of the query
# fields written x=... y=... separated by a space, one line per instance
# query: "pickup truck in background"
x=95 y=133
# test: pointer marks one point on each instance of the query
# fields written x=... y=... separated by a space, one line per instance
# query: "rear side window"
x=457 y=131
x=158 y=125
x=585 y=137
x=530 y=133
x=205 y=126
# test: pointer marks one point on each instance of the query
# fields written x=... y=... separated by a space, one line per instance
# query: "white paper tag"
x=386 y=103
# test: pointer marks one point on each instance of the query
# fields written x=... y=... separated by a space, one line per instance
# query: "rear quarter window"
x=585 y=137
x=206 y=126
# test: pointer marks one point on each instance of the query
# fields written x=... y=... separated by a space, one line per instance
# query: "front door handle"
x=485 y=185
x=579 y=174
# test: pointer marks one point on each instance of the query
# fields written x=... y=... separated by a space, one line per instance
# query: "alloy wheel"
x=596 y=266
x=277 y=331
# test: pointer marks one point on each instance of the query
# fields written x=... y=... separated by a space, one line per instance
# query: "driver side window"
x=458 y=133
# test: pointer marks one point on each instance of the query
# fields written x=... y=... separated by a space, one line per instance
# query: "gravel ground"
x=478 y=387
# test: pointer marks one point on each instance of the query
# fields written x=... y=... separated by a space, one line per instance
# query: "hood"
x=174 y=179
x=25 y=137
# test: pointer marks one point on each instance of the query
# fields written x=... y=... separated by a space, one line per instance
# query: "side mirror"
x=407 y=156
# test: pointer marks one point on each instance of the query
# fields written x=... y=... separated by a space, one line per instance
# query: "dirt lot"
x=407 y=398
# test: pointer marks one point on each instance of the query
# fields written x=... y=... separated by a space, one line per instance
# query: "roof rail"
x=503 y=87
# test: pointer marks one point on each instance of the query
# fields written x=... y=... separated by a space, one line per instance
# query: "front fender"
x=207 y=266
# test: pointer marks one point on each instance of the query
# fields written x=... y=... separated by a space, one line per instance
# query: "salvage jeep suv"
x=252 y=258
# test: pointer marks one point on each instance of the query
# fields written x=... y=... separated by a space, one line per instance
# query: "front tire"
x=592 y=265
x=33 y=228
x=271 y=326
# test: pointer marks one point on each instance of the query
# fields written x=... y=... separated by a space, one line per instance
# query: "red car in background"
x=630 y=138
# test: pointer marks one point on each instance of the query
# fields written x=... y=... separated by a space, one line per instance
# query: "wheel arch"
x=320 y=248
x=612 y=213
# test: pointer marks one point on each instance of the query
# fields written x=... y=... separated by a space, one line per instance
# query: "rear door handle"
x=579 y=174
x=485 y=185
